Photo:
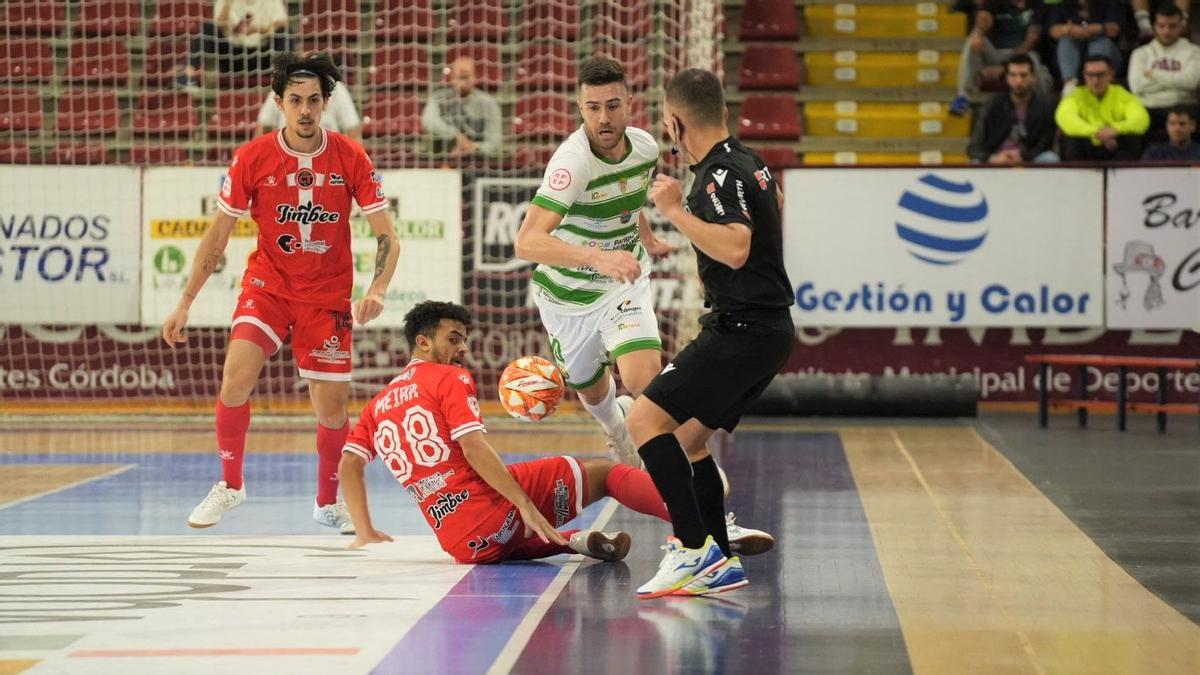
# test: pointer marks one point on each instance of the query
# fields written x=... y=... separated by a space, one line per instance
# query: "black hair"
x=1183 y=110
x=289 y=68
x=1099 y=58
x=1018 y=60
x=600 y=70
x=1168 y=9
x=698 y=92
x=424 y=318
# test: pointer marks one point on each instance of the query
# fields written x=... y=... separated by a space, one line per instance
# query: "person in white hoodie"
x=1165 y=73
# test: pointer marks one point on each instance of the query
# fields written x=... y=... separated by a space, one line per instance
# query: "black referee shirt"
x=734 y=185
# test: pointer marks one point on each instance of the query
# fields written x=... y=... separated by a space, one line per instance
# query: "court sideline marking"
x=524 y=631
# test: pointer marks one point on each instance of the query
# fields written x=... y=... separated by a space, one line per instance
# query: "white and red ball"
x=531 y=388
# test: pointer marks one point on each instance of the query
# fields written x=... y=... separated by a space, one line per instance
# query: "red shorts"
x=556 y=486
x=320 y=335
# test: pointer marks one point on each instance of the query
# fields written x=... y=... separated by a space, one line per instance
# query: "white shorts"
x=584 y=342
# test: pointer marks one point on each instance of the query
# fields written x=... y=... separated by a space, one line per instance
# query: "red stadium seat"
x=235 y=113
x=544 y=115
x=157 y=153
x=623 y=22
x=34 y=17
x=411 y=20
x=478 y=20
x=634 y=59
x=110 y=17
x=391 y=155
x=88 y=111
x=770 y=67
x=329 y=19
x=164 y=113
x=399 y=65
x=164 y=56
x=78 y=153
x=546 y=66
x=558 y=19
x=488 y=74
x=769 y=20
x=219 y=154
x=104 y=60
x=769 y=118
x=392 y=114
x=778 y=157
x=20 y=110
x=14 y=152
x=533 y=156
x=26 y=60
x=180 y=17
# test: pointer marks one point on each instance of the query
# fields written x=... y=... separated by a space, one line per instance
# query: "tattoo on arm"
x=381 y=255
x=211 y=262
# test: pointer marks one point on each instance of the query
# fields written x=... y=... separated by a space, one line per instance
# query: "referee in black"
x=733 y=219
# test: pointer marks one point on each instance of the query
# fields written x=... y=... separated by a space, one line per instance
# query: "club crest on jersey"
x=626 y=216
x=306 y=214
x=305 y=179
x=290 y=243
x=447 y=503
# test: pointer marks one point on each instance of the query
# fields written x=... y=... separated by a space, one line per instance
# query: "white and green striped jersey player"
x=591 y=317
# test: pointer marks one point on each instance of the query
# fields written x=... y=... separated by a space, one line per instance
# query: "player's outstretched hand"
x=370 y=307
x=666 y=193
x=536 y=524
x=659 y=248
x=619 y=265
x=361 y=538
x=172 y=332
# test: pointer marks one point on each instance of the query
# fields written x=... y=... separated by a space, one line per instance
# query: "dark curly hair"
x=289 y=68
x=423 y=319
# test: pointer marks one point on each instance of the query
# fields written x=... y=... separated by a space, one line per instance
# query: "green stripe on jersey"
x=550 y=205
x=595 y=234
x=614 y=177
x=573 y=296
x=612 y=208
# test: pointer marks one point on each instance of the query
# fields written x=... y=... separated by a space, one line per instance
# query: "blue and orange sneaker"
x=680 y=566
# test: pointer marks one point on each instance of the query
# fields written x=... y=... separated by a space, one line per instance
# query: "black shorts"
x=722 y=371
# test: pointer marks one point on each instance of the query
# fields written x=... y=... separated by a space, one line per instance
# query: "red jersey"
x=301 y=204
x=414 y=424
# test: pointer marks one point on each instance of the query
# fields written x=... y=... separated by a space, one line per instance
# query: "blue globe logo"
x=940 y=221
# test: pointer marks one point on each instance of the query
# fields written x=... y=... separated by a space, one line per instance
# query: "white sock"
x=607 y=412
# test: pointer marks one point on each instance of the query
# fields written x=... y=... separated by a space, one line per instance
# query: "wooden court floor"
x=964 y=546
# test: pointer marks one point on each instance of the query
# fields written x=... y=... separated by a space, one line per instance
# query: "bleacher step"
x=852 y=144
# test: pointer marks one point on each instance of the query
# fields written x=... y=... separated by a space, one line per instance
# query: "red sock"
x=635 y=489
x=232 y=424
x=534 y=548
x=329 y=454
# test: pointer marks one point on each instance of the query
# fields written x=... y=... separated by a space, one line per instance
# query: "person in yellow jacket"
x=1101 y=120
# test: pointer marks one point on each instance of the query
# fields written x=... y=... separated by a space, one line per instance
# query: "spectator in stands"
x=1165 y=73
x=243 y=34
x=1083 y=27
x=340 y=115
x=1181 y=126
x=1141 y=12
x=1002 y=28
x=1101 y=120
x=1018 y=126
x=461 y=120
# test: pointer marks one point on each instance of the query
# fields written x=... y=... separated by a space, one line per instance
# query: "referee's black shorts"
x=723 y=370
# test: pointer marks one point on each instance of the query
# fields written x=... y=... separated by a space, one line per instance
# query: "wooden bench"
x=1122 y=363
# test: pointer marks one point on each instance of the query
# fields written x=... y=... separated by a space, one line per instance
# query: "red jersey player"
x=298 y=185
x=427 y=428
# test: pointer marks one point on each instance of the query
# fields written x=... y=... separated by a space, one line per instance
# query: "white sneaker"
x=681 y=566
x=746 y=541
x=334 y=515
x=728 y=576
x=606 y=546
x=621 y=445
x=219 y=500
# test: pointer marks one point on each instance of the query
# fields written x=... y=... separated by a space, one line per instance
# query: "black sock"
x=710 y=497
x=668 y=466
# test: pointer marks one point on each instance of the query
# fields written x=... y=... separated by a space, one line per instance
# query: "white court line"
x=520 y=637
x=68 y=486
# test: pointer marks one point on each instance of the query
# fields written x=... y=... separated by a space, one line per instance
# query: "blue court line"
x=467 y=629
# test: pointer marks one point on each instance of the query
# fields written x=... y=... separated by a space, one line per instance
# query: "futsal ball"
x=531 y=388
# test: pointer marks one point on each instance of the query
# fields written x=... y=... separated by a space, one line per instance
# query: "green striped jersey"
x=599 y=200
